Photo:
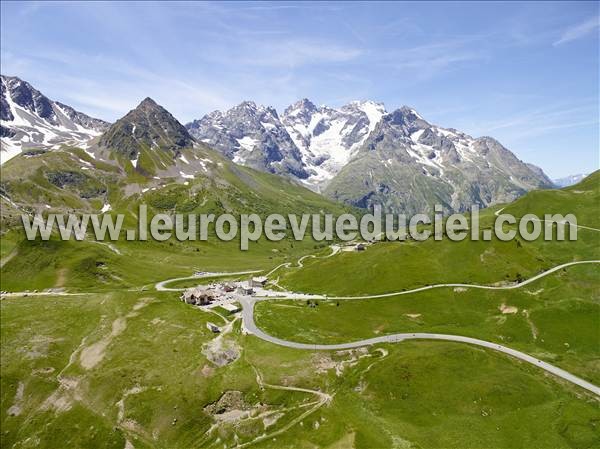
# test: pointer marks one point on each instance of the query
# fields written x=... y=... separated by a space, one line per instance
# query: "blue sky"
x=525 y=73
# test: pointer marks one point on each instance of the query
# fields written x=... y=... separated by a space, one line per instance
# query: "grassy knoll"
x=582 y=199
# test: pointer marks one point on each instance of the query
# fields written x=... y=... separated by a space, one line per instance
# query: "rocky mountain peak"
x=302 y=108
x=308 y=142
x=362 y=104
x=246 y=105
x=408 y=164
x=406 y=119
x=25 y=95
x=148 y=103
x=360 y=154
x=253 y=111
x=30 y=120
x=304 y=103
x=252 y=135
x=149 y=125
x=407 y=116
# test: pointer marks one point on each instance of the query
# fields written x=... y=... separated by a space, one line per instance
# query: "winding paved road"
x=160 y=286
x=299 y=263
x=250 y=326
x=484 y=287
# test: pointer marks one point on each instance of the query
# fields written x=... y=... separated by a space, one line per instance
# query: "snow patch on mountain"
x=374 y=112
x=247 y=143
x=29 y=120
x=328 y=138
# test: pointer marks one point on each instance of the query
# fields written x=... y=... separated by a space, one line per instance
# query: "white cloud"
x=287 y=53
x=541 y=121
x=428 y=60
x=578 y=31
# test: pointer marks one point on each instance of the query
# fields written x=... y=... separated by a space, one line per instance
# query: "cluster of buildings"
x=222 y=294
x=200 y=296
x=353 y=246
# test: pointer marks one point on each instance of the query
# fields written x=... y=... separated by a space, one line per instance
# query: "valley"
x=342 y=344
x=120 y=364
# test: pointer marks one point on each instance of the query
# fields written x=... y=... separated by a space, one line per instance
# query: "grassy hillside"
x=71 y=180
x=100 y=370
x=394 y=266
x=222 y=188
x=121 y=365
x=556 y=319
x=582 y=199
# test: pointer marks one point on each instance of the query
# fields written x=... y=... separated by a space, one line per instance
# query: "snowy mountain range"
x=407 y=164
x=30 y=120
x=358 y=154
x=307 y=142
x=361 y=154
x=145 y=157
x=570 y=180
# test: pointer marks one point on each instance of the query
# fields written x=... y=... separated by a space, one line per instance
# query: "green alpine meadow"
x=207 y=258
